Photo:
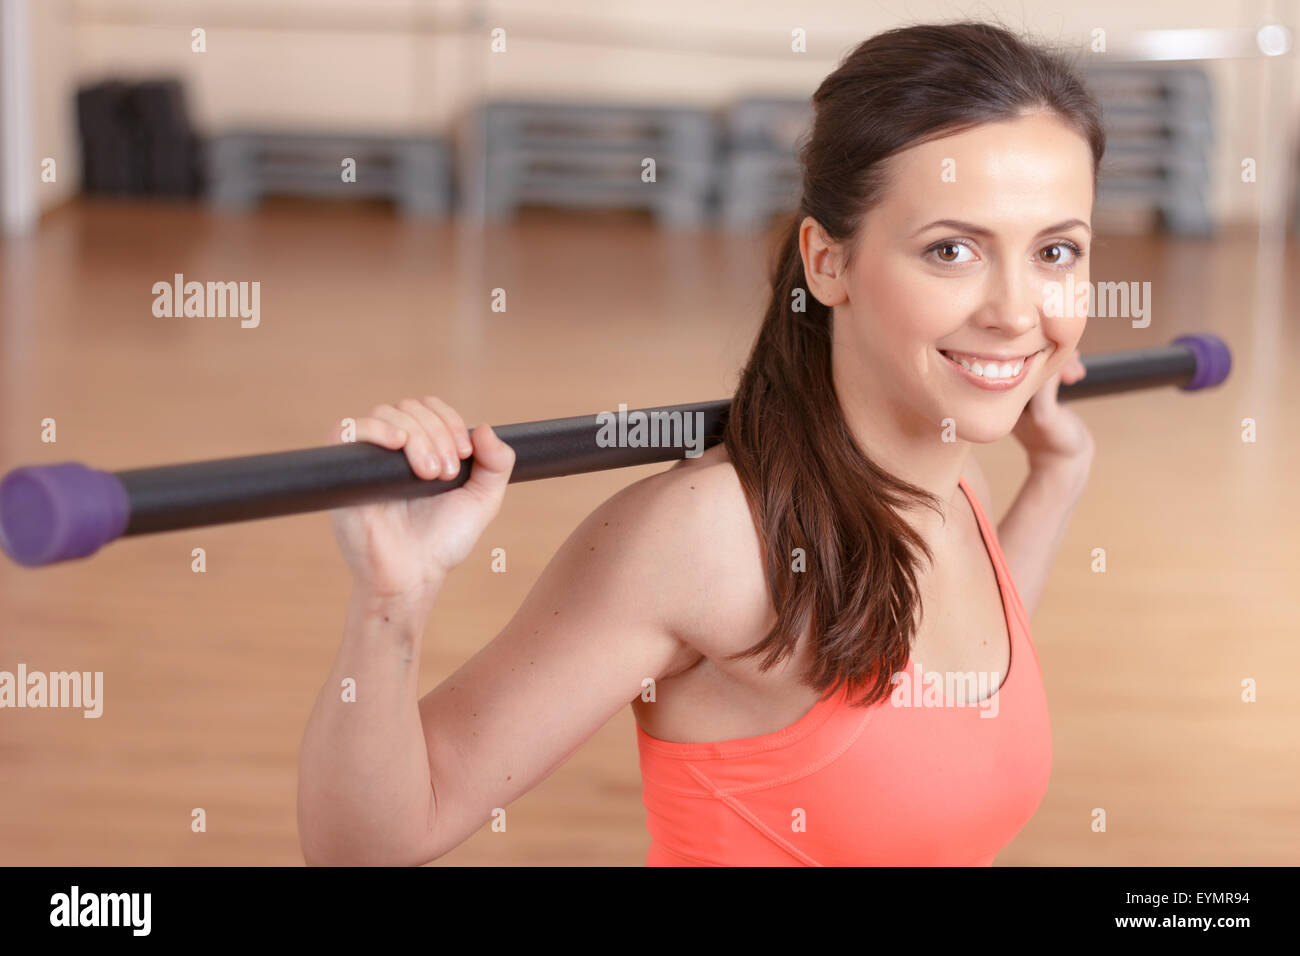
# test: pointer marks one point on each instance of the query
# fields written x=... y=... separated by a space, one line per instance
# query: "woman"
x=763 y=606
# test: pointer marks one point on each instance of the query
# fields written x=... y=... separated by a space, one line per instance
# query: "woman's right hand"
x=404 y=549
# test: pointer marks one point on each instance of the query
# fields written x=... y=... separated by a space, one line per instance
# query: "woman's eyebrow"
x=980 y=230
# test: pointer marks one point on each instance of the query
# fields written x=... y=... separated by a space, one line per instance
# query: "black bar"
x=1113 y=372
x=314 y=479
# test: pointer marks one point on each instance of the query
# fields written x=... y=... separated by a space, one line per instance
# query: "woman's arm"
x=392 y=779
x=1030 y=532
x=608 y=612
x=1060 y=451
x=365 y=794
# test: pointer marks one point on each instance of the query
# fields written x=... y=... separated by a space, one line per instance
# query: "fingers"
x=374 y=430
x=1042 y=406
x=457 y=424
x=437 y=432
x=422 y=453
x=1041 y=403
x=494 y=460
x=432 y=434
x=1073 y=370
x=436 y=440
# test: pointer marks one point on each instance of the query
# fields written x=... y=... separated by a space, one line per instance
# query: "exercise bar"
x=52 y=513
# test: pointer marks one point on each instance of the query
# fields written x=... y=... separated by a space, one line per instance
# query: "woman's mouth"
x=990 y=372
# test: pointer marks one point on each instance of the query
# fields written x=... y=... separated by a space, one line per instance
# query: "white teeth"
x=993 y=370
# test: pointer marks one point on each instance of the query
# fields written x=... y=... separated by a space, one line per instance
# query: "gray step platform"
x=591 y=156
x=1159 y=126
x=761 y=175
x=413 y=172
x=1160 y=130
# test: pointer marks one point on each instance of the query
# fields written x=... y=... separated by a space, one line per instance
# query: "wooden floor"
x=209 y=678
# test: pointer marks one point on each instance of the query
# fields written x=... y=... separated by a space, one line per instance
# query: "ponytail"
x=840 y=564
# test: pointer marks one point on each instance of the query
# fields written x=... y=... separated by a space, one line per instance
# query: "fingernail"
x=432 y=463
x=453 y=466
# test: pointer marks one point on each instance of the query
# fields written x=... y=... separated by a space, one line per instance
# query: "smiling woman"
x=756 y=604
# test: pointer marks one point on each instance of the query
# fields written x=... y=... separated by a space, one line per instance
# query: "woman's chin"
x=984 y=432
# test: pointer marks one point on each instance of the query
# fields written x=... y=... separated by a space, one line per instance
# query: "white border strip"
x=18 y=209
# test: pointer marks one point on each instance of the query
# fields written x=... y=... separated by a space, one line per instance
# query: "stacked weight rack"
x=1159 y=129
x=1159 y=132
x=1158 y=126
x=760 y=175
x=594 y=156
x=413 y=172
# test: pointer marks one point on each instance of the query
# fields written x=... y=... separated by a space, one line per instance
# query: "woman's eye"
x=1067 y=254
x=949 y=252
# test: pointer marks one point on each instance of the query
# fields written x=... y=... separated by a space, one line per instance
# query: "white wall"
x=402 y=65
x=54 y=82
x=18 y=206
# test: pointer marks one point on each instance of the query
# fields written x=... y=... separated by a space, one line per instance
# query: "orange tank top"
x=900 y=783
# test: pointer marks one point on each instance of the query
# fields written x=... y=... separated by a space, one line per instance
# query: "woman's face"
x=957 y=262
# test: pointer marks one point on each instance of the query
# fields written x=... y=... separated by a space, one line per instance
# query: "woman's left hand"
x=1050 y=433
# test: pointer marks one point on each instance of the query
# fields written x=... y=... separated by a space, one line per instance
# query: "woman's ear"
x=822 y=263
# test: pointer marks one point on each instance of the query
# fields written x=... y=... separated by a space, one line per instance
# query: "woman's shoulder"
x=692 y=528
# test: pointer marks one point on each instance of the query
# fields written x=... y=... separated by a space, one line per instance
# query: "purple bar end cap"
x=1213 y=360
x=52 y=513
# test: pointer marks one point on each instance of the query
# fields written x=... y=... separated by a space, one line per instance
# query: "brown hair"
x=807 y=482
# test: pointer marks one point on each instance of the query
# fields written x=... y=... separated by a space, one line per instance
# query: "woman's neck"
x=909 y=449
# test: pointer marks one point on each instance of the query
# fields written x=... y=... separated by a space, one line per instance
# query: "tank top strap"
x=1015 y=606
